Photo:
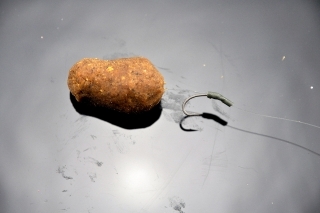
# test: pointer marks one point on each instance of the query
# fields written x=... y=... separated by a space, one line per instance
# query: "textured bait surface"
x=127 y=85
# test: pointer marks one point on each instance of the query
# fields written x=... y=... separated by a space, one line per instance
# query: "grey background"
x=262 y=55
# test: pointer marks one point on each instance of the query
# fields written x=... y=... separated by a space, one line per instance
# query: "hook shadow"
x=204 y=115
x=123 y=120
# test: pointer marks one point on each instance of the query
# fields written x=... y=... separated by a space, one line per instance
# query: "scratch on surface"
x=169 y=179
x=92 y=176
x=78 y=154
x=210 y=162
x=81 y=122
x=248 y=168
x=222 y=54
x=166 y=69
x=98 y=163
x=81 y=119
x=122 y=141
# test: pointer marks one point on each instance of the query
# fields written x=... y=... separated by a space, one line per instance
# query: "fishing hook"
x=213 y=95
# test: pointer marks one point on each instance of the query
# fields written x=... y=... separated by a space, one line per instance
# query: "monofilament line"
x=285 y=119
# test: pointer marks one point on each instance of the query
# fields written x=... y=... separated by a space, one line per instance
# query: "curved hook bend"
x=213 y=95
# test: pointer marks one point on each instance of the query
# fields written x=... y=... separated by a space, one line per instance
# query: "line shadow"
x=224 y=123
x=123 y=120
x=278 y=139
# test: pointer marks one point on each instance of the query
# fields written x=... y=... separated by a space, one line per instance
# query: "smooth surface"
x=262 y=55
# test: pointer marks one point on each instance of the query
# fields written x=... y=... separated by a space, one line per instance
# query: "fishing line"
x=285 y=119
x=217 y=96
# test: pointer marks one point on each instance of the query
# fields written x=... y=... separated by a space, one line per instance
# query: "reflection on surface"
x=204 y=115
x=138 y=183
x=137 y=178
